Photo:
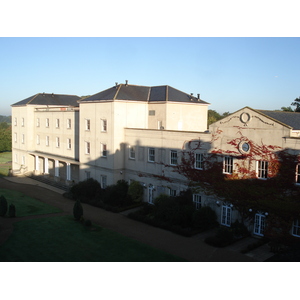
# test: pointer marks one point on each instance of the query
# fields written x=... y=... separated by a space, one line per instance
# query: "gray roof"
x=50 y=99
x=291 y=119
x=143 y=93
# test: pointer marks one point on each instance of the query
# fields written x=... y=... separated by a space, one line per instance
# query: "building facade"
x=142 y=133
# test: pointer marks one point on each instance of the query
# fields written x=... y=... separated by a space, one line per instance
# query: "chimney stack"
x=126 y=82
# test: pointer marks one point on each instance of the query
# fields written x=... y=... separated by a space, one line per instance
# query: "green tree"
x=136 y=191
x=214 y=116
x=5 y=137
x=297 y=104
x=283 y=108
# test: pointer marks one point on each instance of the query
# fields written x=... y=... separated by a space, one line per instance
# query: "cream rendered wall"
x=159 y=117
x=186 y=116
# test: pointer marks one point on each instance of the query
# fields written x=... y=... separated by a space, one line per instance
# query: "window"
x=37 y=139
x=151 y=154
x=173 y=158
x=37 y=122
x=23 y=138
x=69 y=123
x=57 y=142
x=15 y=122
x=103 y=181
x=259 y=224
x=47 y=122
x=88 y=174
x=262 y=169
x=296 y=228
x=103 y=125
x=298 y=174
x=199 y=161
x=228 y=164
x=131 y=152
x=15 y=137
x=69 y=145
x=226 y=215
x=57 y=123
x=23 y=160
x=172 y=193
x=87 y=124
x=151 y=112
x=23 y=122
x=47 y=140
x=197 y=200
x=103 y=150
x=87 y=148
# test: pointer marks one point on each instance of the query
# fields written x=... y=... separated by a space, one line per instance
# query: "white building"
x=139 y=133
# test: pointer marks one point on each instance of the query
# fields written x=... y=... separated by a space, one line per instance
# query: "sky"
x=227 y=72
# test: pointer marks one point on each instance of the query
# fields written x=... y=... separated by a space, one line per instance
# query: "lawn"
x=27 y=206
x=62 y=239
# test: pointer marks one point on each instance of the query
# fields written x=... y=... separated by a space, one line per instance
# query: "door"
x=259 y=224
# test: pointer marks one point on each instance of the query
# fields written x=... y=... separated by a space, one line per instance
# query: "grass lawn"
x=26 y=206
x=62 y=239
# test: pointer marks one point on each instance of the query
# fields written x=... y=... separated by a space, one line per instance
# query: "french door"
x=259 y=224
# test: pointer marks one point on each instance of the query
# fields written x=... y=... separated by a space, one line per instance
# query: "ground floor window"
x=226 y=215
x=259 y=224
x=150 y=194
x=197 y=200
x=296 y=228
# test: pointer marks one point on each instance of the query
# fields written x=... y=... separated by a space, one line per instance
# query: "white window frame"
x=38 y=122
x=172 y=192
x=87 y=124
x=23 y=160
x=23 y=138
x=69 y=144
x=173 y=158
x=132 y=152
x=296 y=228
x=103 y=125
x=15 y=137
x=103 y=150
x=57 y=142
x=47 y=123
x=197 y=201
x=38 y=139
x=47 y=140
x=227 y=164
x=297 y=174
x=103 y=181
x=226 y=214
x=199 y=160
x=262 y=169
x=69 y=123
x=15 y=121
x=87 y=148
x=57 y=123
x=22 y=122
x=151 y=155
x=259 y=224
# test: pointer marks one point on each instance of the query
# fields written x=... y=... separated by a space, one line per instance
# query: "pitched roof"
x=143 y=93
x=291 y=119
x=49 y=99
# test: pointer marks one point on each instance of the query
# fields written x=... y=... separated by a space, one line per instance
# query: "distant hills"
x=6 y=119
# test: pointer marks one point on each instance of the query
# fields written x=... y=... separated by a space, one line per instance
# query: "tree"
x=136 y=191
x=5 y=137
x=283 y=108
x=77 y=210
x=297 y=104
x=3 y=206
x=214 y=116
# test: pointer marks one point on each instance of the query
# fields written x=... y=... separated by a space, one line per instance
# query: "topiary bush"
x=86 y=190
x=3 y=206
x=12 y=211
x=77 y=210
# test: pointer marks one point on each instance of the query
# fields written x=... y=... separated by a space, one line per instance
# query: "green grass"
x=5 y=157
x=5 y=163
x=27 y=206
x=62 y=239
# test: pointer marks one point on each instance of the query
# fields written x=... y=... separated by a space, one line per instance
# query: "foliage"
x=5 y=137
x=283 y=108
x=136 y=191
x=77 y=210
x=213 y=116
x=11 y=211
x=3 y=206
x=223 y=237
x=5 y=119
x=117 y=194
x=296 y=103
x=87 y=189
x=204 y=218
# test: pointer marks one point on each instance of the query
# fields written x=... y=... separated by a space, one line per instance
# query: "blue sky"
x=229 y=73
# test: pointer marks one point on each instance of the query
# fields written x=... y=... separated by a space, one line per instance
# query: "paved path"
x=191 y=249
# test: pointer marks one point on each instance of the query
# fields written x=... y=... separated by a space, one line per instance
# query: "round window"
x=244 y=147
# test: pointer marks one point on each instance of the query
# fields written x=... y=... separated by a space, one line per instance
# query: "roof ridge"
x=117 y=92
x=33 y=98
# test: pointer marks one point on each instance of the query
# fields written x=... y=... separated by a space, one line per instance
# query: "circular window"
x=245 y=117
x=244 y=147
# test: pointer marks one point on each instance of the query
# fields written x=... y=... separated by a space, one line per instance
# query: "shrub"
x=116 y=194
x=12 y=211
x=204 y=218
x=3 y=206
x=136 y=191
x=86 y=190
x=77 y=210
x=239 y=229
x=223 y=237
